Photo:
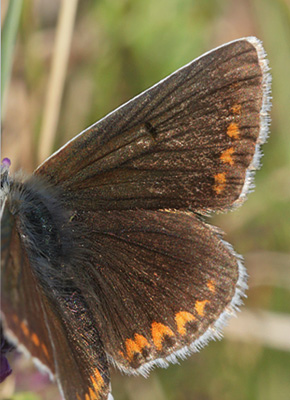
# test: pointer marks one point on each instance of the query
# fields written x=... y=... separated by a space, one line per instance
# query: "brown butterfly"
x=106 y=257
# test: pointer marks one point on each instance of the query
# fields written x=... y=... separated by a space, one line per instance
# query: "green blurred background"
x=119 y=48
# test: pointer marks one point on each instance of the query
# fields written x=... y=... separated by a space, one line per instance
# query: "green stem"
x=9 y=33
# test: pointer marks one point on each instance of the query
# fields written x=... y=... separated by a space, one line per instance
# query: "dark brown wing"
x=188 y=141
x=161 y=284
x=81 y=363
x=21 y=297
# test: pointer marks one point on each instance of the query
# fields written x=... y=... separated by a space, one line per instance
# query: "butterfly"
x=107 y=258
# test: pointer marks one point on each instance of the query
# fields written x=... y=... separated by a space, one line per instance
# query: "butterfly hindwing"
x=164 y=283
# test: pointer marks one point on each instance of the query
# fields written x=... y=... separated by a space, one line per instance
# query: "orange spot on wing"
x=211 y=286
x=199 y=307
x=136 y=345
x=44 y=348
x=24 y=329
x=233 y=130
x=15 y=318
x=236 y=108
x=97 y=381
x=220 y=182
x=158 y=331
x=141 y=341
x=87 y=397
x=226 y=156
x=35 y=339
x=122 y=354
x=92 y=394
x=181 y=319
x=131 y=348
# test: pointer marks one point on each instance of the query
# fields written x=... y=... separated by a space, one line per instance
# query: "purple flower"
x=5 y=369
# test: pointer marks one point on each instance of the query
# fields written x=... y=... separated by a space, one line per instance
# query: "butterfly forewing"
x=187 y=142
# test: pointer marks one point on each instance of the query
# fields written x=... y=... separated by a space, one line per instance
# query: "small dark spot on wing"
x=151 y=129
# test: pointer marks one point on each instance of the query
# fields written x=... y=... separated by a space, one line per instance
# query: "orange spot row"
x=33 y=336
x=159 y=330
x=220 y=182
x=226 y=156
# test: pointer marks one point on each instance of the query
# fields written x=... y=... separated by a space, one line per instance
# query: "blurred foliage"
x=9 y=32
x=120 y=48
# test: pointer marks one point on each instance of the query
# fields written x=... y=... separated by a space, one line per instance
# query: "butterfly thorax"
x=33 y=208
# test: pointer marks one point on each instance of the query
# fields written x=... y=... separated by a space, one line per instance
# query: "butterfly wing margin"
x=190 y=141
